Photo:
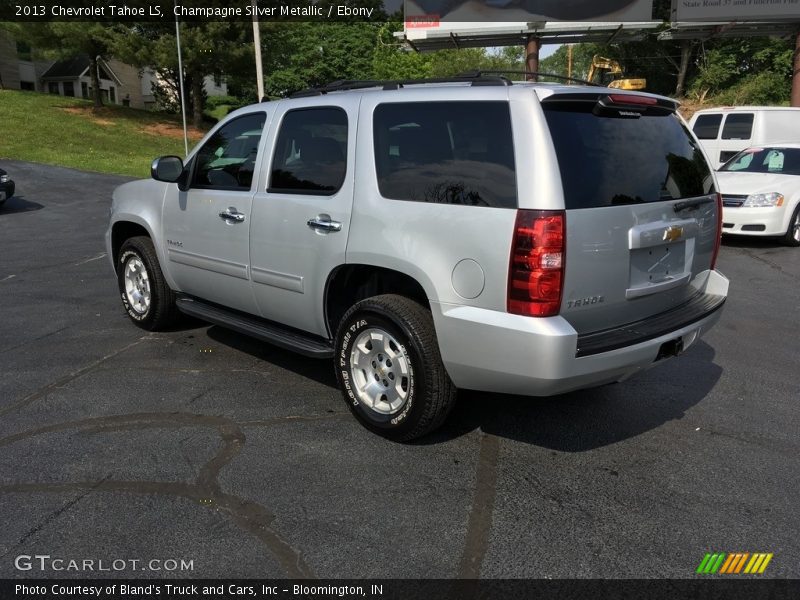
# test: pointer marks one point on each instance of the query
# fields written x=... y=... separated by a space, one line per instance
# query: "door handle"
x=324 y=223
x=232 y=216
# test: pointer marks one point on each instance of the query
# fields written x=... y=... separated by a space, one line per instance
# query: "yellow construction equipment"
x=609 y=68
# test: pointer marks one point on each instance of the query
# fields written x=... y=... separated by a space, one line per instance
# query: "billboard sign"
x=427 y=13
x=737 y=10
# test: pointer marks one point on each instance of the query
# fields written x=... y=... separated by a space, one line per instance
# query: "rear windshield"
x=610 y=161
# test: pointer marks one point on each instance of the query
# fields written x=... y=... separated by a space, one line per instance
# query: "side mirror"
x=167 y=168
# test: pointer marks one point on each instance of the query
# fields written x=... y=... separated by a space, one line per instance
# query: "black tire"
x=161 y=311
x=430 y=395
x=789 y=237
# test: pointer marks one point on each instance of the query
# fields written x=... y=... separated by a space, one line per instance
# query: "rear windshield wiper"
x=679 y=206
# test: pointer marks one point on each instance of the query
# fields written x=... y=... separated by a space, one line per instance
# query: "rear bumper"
x=769 y=220
x=499 y=352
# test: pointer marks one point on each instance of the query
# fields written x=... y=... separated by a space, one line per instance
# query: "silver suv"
x=529 y=238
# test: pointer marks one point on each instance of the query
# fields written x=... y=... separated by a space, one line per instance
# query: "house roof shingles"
x=70 y=67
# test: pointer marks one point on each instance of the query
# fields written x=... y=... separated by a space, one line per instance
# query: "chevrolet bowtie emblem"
x=672 y=234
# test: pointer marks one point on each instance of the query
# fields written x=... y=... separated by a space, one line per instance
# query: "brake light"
x=536 y=269
x=718 y=239
x=630 y=99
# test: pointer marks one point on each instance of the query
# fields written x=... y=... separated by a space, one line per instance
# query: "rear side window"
x=609 y=161
x=738 y=127
x=446 y=153
x=706 y=127
x=311 y=152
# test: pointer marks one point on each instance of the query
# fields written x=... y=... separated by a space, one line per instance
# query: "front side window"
x=228 y=159
x=311 y=152
x=446 y=153
x=738 y=127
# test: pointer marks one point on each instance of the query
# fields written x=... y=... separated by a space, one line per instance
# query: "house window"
x=112 y=94
x=69 y=88
x=23 y=51
x=28 y=86
x=84 y=89
x=52 y=87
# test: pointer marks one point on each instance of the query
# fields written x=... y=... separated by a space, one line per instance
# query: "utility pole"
x=569 y=60
x=257 y=50
x=532 y=47
x=796 y=71
x=180 y=79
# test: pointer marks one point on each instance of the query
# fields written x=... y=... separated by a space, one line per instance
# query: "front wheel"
x=390 y=370
x=148 y=300
x=792 y=237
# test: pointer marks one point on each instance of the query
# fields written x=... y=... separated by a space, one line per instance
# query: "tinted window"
x=707 y=126
x=785 y=161
x=607 y=161
x=227 y=160
x=446 y=152
x=311 y=152
x=738 y=127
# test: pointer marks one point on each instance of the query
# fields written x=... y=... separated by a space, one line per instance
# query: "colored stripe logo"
x=734 y=563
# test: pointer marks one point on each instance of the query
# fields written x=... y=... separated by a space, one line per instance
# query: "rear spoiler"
x=617 y=104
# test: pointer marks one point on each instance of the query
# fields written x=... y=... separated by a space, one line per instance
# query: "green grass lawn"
x=64 y=131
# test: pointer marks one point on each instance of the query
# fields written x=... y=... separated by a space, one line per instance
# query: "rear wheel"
x=792 y=237
x=148 y=300
x=390 y=370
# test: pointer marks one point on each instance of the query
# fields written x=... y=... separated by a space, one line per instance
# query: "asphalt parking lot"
x=203 y=445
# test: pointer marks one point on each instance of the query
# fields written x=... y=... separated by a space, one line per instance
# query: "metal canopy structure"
x=703 y=31
x=481 y=35
x=474 y=35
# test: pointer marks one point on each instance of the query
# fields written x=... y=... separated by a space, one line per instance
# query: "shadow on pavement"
x=317 y=370
x=589 y=419
x=575 y=422
x=18 y=204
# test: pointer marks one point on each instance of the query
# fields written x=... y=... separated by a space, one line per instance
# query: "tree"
x=302 y=55
x=208 y=48
x=756 y=69
x=60 y=40
x=557 y=63
x=392 y=60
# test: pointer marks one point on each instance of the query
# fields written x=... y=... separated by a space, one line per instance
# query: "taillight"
x=718 y=239
x=536 y=270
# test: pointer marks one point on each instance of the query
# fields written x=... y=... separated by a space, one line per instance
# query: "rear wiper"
x=679 y=206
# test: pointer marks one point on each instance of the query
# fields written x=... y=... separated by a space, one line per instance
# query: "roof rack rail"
x=532 y=73
x=476 y=78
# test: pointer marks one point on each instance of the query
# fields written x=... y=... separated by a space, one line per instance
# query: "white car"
x=760 y=190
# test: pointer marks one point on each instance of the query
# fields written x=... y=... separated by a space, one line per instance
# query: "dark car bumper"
x=6 y=190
